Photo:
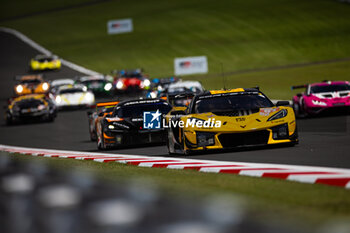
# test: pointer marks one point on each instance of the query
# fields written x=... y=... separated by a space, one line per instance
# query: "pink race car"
x=324 y=97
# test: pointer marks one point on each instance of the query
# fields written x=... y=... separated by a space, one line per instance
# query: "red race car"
x=320 y=98
x=130 y=80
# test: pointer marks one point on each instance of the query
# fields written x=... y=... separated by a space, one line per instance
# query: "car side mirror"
x=282 y=103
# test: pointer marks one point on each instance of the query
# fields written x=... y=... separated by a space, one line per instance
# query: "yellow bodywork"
x=47 y=65
x=32 y=96
x=240 y=125
x=24 y=88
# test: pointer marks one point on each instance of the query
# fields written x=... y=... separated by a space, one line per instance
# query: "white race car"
x=185 y=86
x=74 y=96
x=57 y=83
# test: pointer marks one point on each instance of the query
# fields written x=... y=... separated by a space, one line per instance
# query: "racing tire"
x=93 y=137
x=100 y=142
x=296 y=108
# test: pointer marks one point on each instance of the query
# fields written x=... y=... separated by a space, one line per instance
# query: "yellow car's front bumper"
x=53 y=65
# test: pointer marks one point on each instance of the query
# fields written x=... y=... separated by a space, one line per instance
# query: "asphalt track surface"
x=323 y=141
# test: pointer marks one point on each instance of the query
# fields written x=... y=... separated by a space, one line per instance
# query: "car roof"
x=43 y=56
x=140 y=101
x=69 y=86
x=327 y=83
x=230 y=91
x=185 y=84
x=31 y=77
x=88 y=78
x=62 y=82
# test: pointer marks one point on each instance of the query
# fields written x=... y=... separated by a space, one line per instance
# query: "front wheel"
x=100 y=141
x=296 y=108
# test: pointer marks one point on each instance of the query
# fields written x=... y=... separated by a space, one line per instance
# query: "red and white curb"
x=305 y=174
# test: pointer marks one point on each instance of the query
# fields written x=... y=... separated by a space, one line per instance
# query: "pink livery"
x=321 y=98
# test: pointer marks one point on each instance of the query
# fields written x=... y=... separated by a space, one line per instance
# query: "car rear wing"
x=299 y=86
x=28 y=76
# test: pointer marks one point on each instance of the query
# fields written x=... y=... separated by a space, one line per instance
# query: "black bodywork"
x=125 y=126
x=30 y=109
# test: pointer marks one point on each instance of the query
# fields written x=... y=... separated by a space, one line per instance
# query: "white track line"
x=42 y=50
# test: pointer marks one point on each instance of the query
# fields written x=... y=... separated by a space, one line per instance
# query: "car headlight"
x=111 y=127
x=45 y=86
x=19 y=89
x=317 y=102
x=120 y=85
x=90 y=97
x=279 y=115
x=58 y=99
x=108 y=86
x=146 y=83
x=41 y=107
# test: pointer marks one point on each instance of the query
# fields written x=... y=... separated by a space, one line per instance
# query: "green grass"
x=312 y=204
x=241 y=34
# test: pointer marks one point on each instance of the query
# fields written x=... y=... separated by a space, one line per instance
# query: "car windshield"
x=330 y=88
x=227 y=103
x=31 y=81
x=132 y=75
x=137 y=110
x=71 y=91
x=182 y=90
x=29 y=103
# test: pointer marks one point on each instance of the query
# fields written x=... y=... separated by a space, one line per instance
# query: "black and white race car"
x=133 y=122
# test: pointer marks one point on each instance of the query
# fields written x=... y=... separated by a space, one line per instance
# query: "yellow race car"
x=45 y=62
x=31 y=84
x=227 y=119
x=30 y=107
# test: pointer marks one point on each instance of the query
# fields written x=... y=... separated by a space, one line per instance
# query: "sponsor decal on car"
x=268 y=111
x=153 y=120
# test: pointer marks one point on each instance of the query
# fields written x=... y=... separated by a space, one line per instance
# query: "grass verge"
x=239 y=34
x=310 y=204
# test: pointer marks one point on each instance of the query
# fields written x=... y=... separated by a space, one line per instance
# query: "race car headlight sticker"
x=19 y=89
x=279 y=115
x=153 y=94
x=108 y=87
x=45 y=86
x=280 y=132
x=205 y=139
x=111 y=127
x=316 y=102
x=120 y=85
x=58 y=99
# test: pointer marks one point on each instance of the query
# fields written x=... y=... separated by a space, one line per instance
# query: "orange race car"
x=102 y=109
x=31 y=84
